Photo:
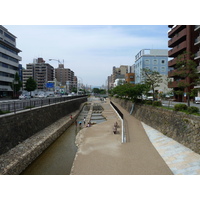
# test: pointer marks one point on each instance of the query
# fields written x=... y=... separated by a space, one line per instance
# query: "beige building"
x=40 y=71
x=119 y=72
x=66 y=77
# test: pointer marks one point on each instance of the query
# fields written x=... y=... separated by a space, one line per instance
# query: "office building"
x=9 y=61
x=153 y=59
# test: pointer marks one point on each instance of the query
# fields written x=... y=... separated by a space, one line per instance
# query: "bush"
x=148 y=102
x=193 y=109
x=157 y=103
x=180 y=107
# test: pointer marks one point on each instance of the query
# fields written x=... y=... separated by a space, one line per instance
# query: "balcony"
x=177 y=49
x=175 y=30
x=196 y=27
x=177 y=37
x=197 y=55
x=197 y=41
x=172 y=62
x=175 y=84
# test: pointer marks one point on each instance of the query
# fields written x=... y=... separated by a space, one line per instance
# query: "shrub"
x=148 y=102
x=180 y=107
x=157 y=103
x=193 y=109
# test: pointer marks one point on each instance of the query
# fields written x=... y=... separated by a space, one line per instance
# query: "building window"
x=162 y=61
x=155 y=62
x=147 y=62
x=163 y=69
x=155 y=68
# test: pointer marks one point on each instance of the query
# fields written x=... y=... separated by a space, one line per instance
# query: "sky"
x=90 y=51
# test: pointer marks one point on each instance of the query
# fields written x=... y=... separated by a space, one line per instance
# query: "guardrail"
x=14 y=106
x=121 y=116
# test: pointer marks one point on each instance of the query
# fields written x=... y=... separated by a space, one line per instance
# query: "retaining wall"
x=18 y=158
x=15 y=128
x=182 y=127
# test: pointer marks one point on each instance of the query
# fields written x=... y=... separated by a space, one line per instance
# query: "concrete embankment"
x=18 y=158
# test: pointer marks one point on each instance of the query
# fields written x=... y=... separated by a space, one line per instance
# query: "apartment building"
x=66 y=77
x=40 y=71
x=181 y=39
x=153 y=59
x=9 y=61
x=197 y=55
x=119 y=72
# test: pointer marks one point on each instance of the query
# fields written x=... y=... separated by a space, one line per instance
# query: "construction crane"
x=57 y=60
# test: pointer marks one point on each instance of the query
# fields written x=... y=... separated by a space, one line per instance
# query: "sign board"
x=50 y=85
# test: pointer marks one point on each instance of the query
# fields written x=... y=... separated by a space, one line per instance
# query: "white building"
x=153 y=59
x=9 y=61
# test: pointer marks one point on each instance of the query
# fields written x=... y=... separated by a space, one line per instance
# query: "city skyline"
x=89 y=50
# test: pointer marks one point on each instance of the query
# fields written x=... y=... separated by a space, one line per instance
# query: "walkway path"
x=101 y=152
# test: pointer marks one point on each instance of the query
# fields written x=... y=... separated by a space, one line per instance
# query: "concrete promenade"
x=100 y=152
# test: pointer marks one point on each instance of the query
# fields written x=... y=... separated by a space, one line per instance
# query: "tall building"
x=153 y=59
x=40 y=71
x=181 y=39
x=119 y=72
x=66 y=77
x=9 y=61
x=197 y=55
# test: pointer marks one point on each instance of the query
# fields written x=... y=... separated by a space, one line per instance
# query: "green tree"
x=152 y=79
x=186 y=70
x=30 y=85
x=16 y=84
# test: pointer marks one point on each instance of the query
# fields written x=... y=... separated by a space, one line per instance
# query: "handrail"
x=121 y=116
x=15 y=106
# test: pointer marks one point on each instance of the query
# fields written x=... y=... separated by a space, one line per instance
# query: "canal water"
x=58 y=158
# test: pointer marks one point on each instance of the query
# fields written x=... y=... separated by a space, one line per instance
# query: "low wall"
x=15 y=128
x=182 y=127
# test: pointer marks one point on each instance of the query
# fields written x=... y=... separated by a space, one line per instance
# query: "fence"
x=14 y=106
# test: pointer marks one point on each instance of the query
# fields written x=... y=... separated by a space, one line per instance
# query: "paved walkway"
x=180 y=159
x=101 y=152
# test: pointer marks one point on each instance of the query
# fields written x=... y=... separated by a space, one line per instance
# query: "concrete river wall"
x=25 y=135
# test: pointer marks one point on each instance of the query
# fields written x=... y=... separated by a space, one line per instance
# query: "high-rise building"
x=40 y=71
x=153 y=59
x=9 y=61
x=197 y=55
x=181 y=39
x=66 y=77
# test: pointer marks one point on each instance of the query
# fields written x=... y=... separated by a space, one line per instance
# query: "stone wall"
x=182 y=127
x=18 y=158
x=16 y=128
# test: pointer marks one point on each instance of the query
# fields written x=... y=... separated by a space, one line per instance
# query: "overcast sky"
x=89 y=50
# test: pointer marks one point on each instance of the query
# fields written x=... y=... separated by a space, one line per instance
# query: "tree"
x=16 y=84
x=30 y=85
x=152 y=79
x=186 y=70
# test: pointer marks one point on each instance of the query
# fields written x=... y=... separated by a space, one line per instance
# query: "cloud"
x=91 y=50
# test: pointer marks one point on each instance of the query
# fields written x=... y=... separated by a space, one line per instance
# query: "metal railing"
x=121 y=116
x=15 y=106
